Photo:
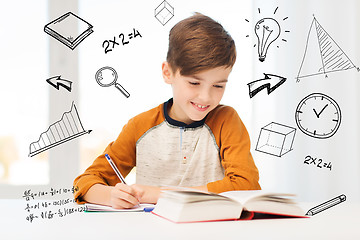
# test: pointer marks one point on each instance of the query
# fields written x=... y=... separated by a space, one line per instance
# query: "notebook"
x=91 y=207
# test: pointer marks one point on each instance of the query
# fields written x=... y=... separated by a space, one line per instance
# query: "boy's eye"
x=218 y=86
x=194 y=83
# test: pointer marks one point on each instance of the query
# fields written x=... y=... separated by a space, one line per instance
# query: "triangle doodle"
x=322 y=54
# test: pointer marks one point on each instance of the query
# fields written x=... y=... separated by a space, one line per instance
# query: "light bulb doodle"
x=267 y=30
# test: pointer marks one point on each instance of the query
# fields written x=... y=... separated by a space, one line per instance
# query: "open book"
x=196 y=206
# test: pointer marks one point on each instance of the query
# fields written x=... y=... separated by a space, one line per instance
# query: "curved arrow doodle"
x=57 y=81
x=270 y=81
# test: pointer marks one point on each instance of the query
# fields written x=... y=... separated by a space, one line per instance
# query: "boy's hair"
x=199 y=43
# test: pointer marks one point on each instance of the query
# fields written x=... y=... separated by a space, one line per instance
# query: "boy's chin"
x=197 y=118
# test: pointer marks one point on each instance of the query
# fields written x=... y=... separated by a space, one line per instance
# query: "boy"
x=190 y=140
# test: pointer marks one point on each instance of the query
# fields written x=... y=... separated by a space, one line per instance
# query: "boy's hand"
x=124 y=196
x=146 y=194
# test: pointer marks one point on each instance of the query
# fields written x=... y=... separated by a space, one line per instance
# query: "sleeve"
x=121 y=151
x=241 y=172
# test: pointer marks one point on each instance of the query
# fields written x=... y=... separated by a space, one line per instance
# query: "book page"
x=258 y=195
x=267 y=202
x=192 y=196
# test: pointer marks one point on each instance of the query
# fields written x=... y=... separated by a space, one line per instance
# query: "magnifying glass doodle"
x=107 y=76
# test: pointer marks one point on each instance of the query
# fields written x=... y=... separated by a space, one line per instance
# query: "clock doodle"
x=318 y=116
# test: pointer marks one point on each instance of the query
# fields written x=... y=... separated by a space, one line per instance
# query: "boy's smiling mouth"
x=200 y=107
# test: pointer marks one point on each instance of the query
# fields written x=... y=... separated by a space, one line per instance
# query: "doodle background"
x=29 y=105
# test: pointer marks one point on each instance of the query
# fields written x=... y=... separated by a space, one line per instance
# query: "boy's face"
x=195 y=95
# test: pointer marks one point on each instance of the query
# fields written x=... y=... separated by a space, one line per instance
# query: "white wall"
x=105 y=110
x=290 y=173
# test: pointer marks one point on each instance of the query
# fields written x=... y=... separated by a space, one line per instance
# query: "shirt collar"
x=178 y=123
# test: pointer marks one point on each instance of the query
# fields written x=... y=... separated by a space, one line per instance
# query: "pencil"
x=326 y=205
x=112 y=164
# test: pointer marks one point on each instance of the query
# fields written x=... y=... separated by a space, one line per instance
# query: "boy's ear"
x=167 y=72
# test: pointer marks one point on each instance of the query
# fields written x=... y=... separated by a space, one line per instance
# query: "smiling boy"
x=190 y=140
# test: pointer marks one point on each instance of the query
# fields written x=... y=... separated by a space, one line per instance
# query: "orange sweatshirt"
x=214 y=152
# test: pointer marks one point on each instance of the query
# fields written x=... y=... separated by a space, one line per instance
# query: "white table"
x=339 y=222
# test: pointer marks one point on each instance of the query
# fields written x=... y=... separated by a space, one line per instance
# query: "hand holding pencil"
x=122 y=195
x=125 y=196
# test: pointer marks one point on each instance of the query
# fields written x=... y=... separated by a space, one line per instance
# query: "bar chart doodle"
x=322 y=54
x=66 y=129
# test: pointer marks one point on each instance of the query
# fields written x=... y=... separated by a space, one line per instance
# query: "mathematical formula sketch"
x=164 y=12
x=318 y=115
x=267 y=31
x=57 y=81
x=69 y=29
x=110 y=44
x=41 y=206
x=107 y=76
x=317 y=162
x=66 y=129
x=270 y=82
x=275 y=139
x=322 y=54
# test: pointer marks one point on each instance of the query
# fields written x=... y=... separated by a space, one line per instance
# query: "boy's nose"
x=204 y=95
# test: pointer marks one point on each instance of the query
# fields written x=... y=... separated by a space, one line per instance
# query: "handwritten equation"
x=50 y=214
x=317 y=162
x=28 y=194
x=50 y=209
x=122 y=39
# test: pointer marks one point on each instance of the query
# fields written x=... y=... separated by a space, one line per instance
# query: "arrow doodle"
x=57 y=81
x=270 y=81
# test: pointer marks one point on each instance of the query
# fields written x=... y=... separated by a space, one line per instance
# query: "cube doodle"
x=164 y=12
x=275 y=139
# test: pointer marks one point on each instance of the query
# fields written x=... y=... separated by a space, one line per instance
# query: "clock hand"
x=322 y=109
x=317 y=115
